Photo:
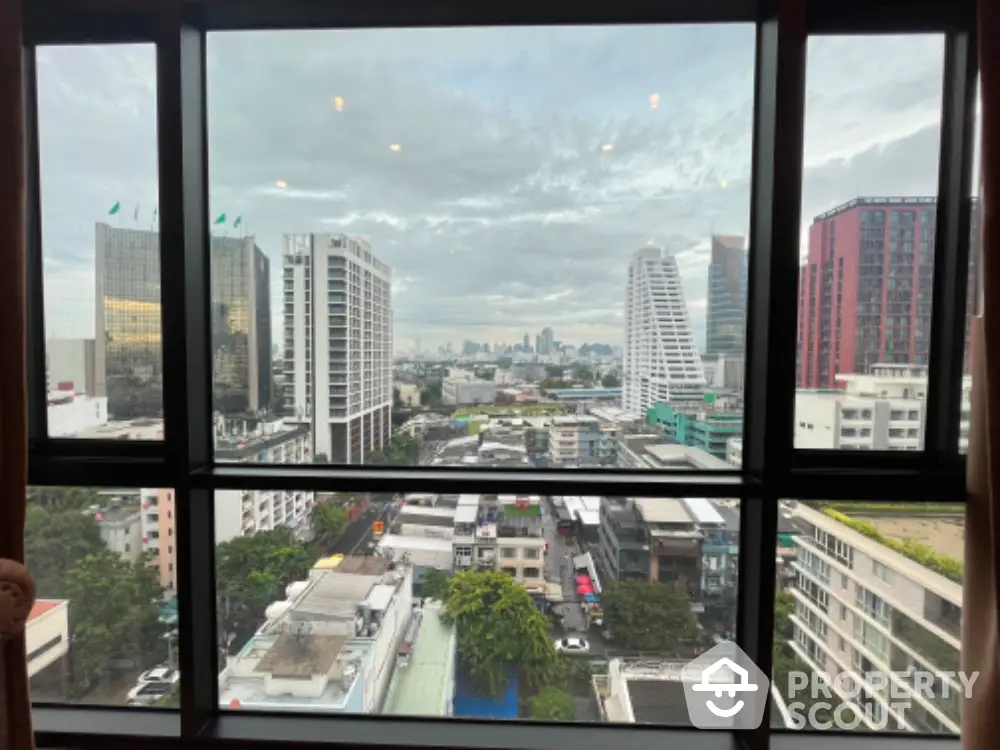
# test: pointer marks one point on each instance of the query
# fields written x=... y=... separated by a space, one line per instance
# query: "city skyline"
x=522 y=219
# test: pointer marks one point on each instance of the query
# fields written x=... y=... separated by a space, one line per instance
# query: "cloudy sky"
x=531 y=162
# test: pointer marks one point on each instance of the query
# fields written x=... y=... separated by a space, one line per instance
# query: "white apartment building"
x=862 y=607
x=661 y=362
x=75 y=415
x=462 y=387
x=882 y=410
x=46 y=636
x=338 y=343
x=330 y=646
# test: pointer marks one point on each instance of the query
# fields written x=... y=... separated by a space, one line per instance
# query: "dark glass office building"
x=725 y=329
x=129 y=354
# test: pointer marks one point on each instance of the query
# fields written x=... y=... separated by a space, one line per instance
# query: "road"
x=356 y=536
x=559 y=569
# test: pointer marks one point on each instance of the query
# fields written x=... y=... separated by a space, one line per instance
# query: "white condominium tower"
x=338 y=344
x=662 y=363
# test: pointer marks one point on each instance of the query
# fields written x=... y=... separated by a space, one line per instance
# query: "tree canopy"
x=55 y=540
x=435 y=584
x=114 y=616
x=328 y=522
x=553 y=704
x=499 y=628
x=611 y=381
x=650 y=616
x=401 y=450
x=251 y=572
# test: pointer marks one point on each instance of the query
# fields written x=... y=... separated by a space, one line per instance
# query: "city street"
x=559 y=569
x=356 y=536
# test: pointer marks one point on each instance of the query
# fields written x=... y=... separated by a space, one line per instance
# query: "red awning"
x=582 y=589
x=583 y=580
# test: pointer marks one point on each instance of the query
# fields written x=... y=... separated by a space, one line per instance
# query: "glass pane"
x=100 y=240
x=533 y=237
x=104 y=628
x=872 y=130
x=868 y=617
x=365 y=607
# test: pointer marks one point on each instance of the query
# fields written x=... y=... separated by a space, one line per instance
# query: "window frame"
x=772 y=468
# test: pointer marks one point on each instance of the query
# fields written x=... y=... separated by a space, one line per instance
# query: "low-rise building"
x=462 y=387
x=575 y=441
x=702 y=426
x=884 y=409
x=654 y=452
x=47 y=641
x=71 y=414
x=330 y=647
x=519 y=541
x=119 y=519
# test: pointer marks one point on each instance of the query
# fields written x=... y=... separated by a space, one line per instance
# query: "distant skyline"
x=506 y=175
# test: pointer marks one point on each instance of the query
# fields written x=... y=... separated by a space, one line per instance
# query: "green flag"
x=115 y=208
x=221 y=219
x=238 y=223
x=136 y=212
x=156 y=213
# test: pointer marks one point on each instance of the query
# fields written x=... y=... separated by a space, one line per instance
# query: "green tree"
x=114 y=617
x=611 y=381
x=328 y=522
x=402 y=450
x=435 y=584
x=56 y=539
x=499 y=628
x=583 y=374
x=430 y=394
x=63 y=498
x=251 y=572
x=553 y=704
x=650 y=616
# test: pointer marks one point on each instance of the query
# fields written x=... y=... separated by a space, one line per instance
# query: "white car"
x=148 y=694
x=159 y=674
x=572 y=645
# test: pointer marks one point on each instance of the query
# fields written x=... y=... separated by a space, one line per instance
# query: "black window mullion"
x=951 y=248
x=779 y=106
x=184 y=268
x=36 y=381
x=774 y=248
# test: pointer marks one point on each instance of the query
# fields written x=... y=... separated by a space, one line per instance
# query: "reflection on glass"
x=866 y=280
x=100 y=244
x=356 y=603
x=494 y=246
x=870 y=604
x=104 y=628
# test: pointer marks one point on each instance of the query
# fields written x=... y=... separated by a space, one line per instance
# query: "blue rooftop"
x=470 y=704
x=582 y=393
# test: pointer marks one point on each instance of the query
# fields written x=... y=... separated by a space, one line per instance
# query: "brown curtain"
x=981 y=610
x=16 y=590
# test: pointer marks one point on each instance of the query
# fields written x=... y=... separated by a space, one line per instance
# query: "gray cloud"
x=500 y=213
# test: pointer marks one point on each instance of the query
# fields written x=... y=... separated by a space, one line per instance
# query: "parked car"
x=148 y=694
x=572 y=645
x=159 y=674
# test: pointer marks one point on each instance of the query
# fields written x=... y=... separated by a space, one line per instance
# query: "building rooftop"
x=240 y=447
x=878 y=202
x=309 y=652
x=136 y=429
x=663 y=510
x=42 y=606
x=656 y=453
x=424 y=686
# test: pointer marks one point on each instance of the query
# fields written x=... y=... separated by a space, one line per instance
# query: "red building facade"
x=866 y=287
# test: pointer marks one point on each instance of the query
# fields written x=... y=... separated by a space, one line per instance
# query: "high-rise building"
x=727 y=297
x=338 y=343
x=547 y=339
x=128 y=351
x=527 y=343
x=241 y=325
x=661 y=361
